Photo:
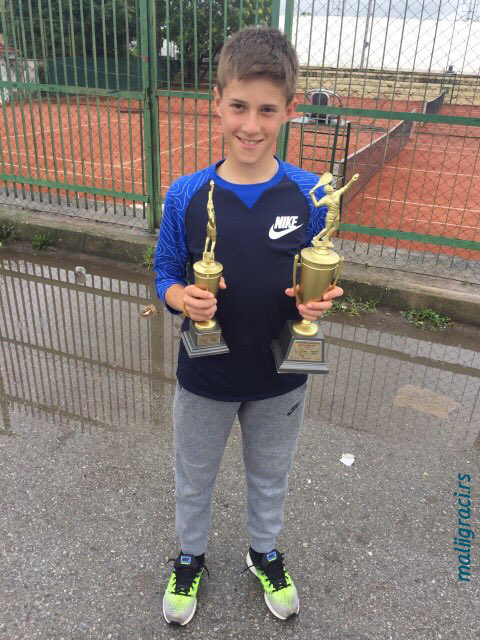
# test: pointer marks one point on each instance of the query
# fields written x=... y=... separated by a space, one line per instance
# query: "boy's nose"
x=251 y=125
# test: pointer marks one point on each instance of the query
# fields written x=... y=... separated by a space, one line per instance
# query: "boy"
x=264 y=216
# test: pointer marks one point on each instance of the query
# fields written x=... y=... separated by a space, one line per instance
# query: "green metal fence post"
x=154 y=116
x=151 y=132
x=275 y=13
x=282 y=141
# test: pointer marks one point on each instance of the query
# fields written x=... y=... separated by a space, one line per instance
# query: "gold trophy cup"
x=205 y=338
x=300 y=347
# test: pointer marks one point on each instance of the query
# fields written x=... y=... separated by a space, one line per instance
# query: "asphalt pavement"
x=87 y=476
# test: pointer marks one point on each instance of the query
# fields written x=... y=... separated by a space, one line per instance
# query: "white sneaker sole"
x=174 y=621
x=251 y=566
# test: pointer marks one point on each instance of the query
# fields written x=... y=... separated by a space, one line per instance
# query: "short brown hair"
x=259 y=52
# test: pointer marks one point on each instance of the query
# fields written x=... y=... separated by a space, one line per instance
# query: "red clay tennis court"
x=431 y=186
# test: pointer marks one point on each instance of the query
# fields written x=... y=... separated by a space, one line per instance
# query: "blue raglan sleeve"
x=305 y=180
x=317 y=214
x=171 y=255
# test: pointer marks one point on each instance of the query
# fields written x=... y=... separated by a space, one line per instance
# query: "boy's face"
x=252 y=112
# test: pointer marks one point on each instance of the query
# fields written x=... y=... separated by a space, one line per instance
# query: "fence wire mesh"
x=78 y=351
x=190 y=40
x=386 y=51
x=104 y=103
x=71 y=125
x=74 y=348
x=415 y=205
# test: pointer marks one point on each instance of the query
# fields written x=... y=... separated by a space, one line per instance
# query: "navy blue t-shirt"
x=260 y=228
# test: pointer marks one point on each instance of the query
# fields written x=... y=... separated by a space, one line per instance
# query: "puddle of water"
x=75 y=346
x=425 y=400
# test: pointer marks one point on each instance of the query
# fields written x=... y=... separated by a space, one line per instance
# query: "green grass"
x=42 y=241
x=148 y=255
x=352 y=306
x=427 y=319
x=8 y=232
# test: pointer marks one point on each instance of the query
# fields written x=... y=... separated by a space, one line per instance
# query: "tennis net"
x=434 y=106
x=370 y=159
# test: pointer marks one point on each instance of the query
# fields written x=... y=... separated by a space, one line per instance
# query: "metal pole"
x=366 y=43
x=282 y=140
x=149 y=77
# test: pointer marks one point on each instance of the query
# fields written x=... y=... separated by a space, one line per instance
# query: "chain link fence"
x=105 y=103
x=76 y=348
x=407 y=79
x=72 y=109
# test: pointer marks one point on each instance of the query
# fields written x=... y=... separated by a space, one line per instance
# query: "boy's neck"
x=231 y=171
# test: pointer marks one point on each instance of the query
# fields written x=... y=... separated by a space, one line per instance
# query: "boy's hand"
x=313 y=310
x=201 y=305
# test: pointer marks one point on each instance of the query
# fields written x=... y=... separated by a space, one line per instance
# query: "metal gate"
x=76 y=127
x=105 y=102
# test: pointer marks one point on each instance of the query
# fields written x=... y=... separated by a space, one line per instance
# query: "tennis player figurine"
x=300 y=346
x=211 y=227
x=332 y=202
x=205 y=338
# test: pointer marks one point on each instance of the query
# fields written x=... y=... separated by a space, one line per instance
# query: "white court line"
x=87 y=162
x=422 y=204
x=60 y=159
x=94 y=126
x=48 y=132
x=443 y=173
x=446 y=224
x=190 y=145
x=438 y=149
x=60 y=173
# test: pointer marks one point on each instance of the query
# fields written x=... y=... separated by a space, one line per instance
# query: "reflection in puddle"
x=425 y=400
x=78 y=350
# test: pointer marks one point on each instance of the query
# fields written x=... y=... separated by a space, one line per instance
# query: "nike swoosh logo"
x=273 y=235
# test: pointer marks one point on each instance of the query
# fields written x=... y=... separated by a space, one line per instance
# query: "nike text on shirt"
x=282 y=226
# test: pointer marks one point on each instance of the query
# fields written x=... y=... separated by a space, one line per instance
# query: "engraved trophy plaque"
x=205 y=338
x=300 y=347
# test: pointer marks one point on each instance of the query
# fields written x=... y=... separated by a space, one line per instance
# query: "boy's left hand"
x=313 y=310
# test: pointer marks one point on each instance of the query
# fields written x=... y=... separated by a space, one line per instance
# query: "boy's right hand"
x=201 y=305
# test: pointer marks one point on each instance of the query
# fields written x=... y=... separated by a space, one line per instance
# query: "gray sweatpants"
x=270 y=430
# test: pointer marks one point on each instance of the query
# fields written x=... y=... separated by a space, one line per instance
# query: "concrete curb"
x=401 y=290
x=389 y=288
x=81 y=236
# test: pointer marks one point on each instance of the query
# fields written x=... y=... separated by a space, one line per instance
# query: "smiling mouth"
x=248 y=143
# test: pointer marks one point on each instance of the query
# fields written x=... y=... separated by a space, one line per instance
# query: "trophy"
x=300 y=347
x=205 y=338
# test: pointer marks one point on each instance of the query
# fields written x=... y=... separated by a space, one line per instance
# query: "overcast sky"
x=397 y=8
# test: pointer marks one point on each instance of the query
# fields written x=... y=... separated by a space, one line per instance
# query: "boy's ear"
x=217 y=99
x=292 y=108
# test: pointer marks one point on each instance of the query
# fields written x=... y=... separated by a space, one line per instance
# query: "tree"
x=239 y=14
x=29 y=21
x=37 y=26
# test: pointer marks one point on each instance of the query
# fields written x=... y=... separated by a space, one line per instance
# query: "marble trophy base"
x=204 y=342
x=299 y=354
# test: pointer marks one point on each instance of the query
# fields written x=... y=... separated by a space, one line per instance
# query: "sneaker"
x=180 y=598
x=279 y=591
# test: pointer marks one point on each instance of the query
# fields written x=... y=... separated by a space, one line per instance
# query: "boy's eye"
x=237 y=106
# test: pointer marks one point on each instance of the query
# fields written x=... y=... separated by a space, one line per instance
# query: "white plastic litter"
x=80 y=275
x=348 y=459
x=149 y=310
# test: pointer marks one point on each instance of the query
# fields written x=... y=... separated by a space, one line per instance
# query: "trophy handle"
x=339 y=268
x=294 y=278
